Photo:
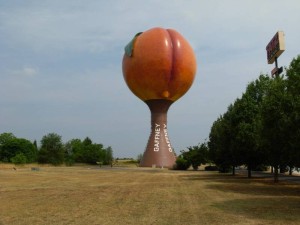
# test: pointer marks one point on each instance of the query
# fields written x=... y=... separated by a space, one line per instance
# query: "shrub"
x=19 y=159
x=181 y=164
x=69 y=161
x=211 y=168
x=224 y=169
x=260 y=168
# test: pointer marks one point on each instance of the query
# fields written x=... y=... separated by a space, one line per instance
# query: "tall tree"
x=293 y=92
x=4 y=138
x=220 y=142
x=87 y=141
x=246 y=124
x=196 y=155
x=274 y=120
x=263 y=126
x=15 y=146
x=108 y=158
x=94 y=153
x=88 y=152
x=35 y=144
x=52 y=150
x=74 y=150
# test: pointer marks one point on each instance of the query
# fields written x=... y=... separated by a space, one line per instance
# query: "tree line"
x=261 y=128
x=53 y=151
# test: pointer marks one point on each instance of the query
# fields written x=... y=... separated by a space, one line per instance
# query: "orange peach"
x=162 y=65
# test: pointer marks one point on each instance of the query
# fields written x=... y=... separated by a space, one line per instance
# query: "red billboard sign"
x=275 y=47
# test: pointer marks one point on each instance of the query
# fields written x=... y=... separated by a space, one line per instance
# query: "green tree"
x=293 y=93
x=91 y=152
x=73 y=151
x=275 y=124
x=181 y=163
x=234 y=137
x=196 y=155
x=94 y=153
x=261 y=127
x=15 y=146
x=245 y=124
x=35 y=144
x=219 y=143
x=52 y=150
x=19 y=159
x=87 y=152
x=108 y=156
x=139 y=158
x=87 y=141
x=4 y=138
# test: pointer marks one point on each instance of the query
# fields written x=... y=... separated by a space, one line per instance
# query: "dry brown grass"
x=90 y=195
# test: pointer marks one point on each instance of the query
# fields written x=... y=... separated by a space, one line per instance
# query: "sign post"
x=274 y=49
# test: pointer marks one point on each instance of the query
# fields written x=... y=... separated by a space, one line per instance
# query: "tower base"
x=159 y=151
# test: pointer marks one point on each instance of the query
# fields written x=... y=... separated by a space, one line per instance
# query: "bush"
x=69 y=161
x=19 y=159
x=260 y=168
x=181 y=164
x=224 y=169
x=211 y=168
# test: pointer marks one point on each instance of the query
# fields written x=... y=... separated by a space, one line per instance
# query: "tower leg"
x=159 y=151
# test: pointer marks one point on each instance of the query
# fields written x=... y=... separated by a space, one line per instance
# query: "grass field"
x=92 y=195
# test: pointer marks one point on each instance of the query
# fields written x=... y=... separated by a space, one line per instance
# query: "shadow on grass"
x=243 y=185
x=269 y=208
x=260 y=197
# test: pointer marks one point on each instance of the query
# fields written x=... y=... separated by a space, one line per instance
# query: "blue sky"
x=61 y=65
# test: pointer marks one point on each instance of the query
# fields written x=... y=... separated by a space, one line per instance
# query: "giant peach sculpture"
x=159 y=67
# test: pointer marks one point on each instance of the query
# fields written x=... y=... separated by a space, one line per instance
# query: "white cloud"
x=29 y=71
x=26 y=71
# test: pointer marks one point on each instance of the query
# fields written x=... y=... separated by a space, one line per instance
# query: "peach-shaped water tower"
x=159 y=67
